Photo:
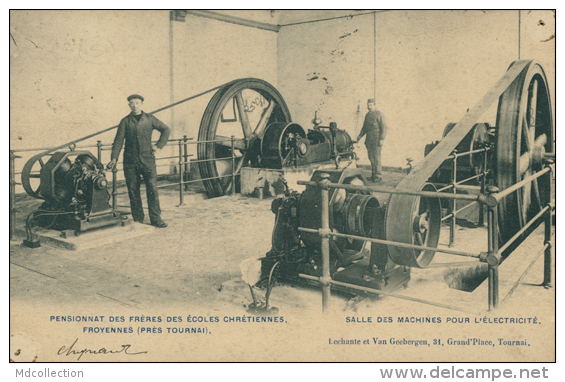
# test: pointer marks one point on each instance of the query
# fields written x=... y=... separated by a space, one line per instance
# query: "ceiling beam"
x=180 y=15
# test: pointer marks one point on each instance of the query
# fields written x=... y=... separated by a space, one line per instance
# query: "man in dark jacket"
x=139 y=158
x=375 y=128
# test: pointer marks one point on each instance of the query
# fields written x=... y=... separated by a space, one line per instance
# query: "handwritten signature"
x=71 y=351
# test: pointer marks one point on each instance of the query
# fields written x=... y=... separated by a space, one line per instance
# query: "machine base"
x=31 y=243
x=358 y=274
x=98 y=221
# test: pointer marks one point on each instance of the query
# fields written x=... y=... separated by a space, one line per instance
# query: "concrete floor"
x=187 y=260
x=201 y=249
x=194 y=263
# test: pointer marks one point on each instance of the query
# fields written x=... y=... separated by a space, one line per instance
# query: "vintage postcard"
x=282 y=186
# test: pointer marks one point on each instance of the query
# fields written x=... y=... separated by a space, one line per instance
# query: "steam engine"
x=287 y=144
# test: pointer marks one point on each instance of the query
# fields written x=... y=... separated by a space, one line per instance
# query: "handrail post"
x=232 y=166
x=493 y=287
x=325 y=246
x=453 y=201
x=548 y=255
x=180 y=172
x=99 y=148
x=483 y=189
x=13 y=157
x=114 y=187
x=186 y=173
x=493 y=258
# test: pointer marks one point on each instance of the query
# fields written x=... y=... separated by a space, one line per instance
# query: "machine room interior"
x=267 y=105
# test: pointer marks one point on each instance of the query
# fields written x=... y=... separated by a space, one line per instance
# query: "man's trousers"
x=374 y=152
x=133 y=174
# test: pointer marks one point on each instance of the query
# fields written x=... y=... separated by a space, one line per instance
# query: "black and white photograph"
x=283 y=186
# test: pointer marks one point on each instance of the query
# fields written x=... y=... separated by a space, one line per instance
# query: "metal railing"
x=182 y=165
x=455 y=184
x=490 y=198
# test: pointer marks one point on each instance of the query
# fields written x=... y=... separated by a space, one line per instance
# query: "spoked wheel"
x=425 y=230
x=242 y=108
x=31 y=174
x=525 y=132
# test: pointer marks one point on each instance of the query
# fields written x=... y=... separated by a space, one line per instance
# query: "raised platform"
x=90 y=239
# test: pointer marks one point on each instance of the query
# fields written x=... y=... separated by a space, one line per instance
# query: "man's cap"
x=371 y=100
x=134 y=96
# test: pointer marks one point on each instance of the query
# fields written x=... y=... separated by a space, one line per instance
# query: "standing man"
x=375 y=128
x=139 y=158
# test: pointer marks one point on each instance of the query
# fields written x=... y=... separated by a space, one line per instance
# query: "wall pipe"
x=375 y=55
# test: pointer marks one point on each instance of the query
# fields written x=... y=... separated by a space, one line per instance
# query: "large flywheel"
x=525 y=132
x=243 y=109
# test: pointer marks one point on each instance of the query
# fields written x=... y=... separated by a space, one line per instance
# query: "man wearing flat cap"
x=375 y=128
x=139 y=158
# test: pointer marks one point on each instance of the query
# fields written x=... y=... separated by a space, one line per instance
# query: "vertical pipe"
x=325 y=247
x=375 y=55
x=495 y=230
x=181 y=186
x=490 y=288
x=186 y=173
x=483 y=189
x=171 y=67
x=232 y=166
x=114 y=187
x=12 y=193
x=453 y=201
x=519 y=32
x=491 y=239
x=490 y=233
x=493 y=287
x=495 y=299
x=548 y=255
x=99 y=148
x=493 y=258
x=481 y=212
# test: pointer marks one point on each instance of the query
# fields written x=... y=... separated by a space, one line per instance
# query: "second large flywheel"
x=524 y=137
x=525 y=133
x=243 y=109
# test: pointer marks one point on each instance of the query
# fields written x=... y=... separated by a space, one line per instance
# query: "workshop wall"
x=327 y=66
x=71 y=71
x=538 y=41
x=208 y=53
x=431 y=67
